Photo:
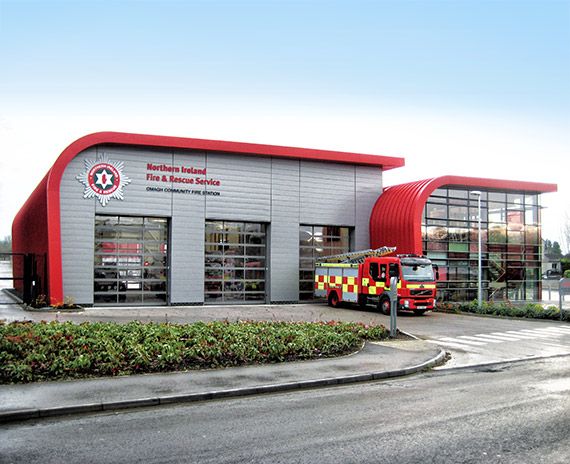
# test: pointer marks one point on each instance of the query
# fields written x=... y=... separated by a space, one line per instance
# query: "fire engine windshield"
x=418 y=272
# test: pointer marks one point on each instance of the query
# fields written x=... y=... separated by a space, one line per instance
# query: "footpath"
x=376 y=361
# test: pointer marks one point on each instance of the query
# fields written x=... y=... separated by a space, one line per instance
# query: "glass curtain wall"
x=131 y=260
x=235 y=262
x=510 y=236
x=316 y=242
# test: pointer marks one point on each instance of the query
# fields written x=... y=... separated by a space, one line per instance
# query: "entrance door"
x=131 y=260
x=235 y=262
x=25 y=273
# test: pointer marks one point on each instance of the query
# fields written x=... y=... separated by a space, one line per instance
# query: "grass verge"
x=31 y=352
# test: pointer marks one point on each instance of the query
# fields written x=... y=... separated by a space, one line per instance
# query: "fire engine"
x=364 y=277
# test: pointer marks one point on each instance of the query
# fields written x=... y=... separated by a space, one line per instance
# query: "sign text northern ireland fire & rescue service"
x=187 y=175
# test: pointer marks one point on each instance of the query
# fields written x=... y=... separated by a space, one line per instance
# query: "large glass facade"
x=316 y=242
x=235 y=262
x=131 y=260
x=510 y=236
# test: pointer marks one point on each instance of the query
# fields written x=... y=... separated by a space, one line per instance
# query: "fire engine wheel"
x=384 y=305
x=333 y=300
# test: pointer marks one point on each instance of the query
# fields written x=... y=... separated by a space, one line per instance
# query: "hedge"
x=32 y=352
x=507 y=309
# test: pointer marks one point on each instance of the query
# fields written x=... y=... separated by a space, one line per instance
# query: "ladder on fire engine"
x=356 y=257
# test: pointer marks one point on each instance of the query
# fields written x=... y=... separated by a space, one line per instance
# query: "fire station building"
x=126 y=219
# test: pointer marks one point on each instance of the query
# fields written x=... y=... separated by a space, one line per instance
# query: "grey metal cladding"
x=187 y=237
x=77 y=221
x=280 y=192
x=245 y=187
x=284 y=238
x=368 y=189
x=138 y=201
x=78 y=213
x=327 y=193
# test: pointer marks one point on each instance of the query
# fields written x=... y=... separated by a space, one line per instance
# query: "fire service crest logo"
x=104 y=179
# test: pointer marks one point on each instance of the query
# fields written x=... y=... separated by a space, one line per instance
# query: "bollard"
x=393 y=293
x=549 y=292
x=563 y=290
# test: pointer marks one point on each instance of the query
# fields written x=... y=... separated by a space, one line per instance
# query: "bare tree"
x=6 y=244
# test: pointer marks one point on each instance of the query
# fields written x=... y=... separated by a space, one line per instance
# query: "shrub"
x=447 y=307
x=39 y=302
x=46 y=351
x=507 y=309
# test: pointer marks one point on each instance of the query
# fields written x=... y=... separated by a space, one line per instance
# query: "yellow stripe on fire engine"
x=421 y=286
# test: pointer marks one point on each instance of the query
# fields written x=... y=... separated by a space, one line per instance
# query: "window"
x=374 y=272
x=510 y=235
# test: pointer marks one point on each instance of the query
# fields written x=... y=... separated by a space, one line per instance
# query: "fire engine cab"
x=363 y=277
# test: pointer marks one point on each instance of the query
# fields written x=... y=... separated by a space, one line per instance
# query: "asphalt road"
x=513 y=413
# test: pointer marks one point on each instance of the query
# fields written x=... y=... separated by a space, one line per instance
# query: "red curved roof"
x=397 y=215
x=42 y=210
x=122 y=138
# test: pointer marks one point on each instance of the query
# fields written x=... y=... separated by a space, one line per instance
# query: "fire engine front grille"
x=421 y=292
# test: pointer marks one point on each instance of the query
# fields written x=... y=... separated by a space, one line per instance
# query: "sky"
x=466 y=87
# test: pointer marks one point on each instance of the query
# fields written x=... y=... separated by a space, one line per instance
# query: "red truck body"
x=368 y=281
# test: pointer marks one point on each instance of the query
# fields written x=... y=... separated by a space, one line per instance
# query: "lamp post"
x=477 y=193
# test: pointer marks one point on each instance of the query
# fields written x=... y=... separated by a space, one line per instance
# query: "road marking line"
x=545 y=329
x=450 y=344
x=524 y=336
x=502 y=334
x=536 y=333
x=555 y=330
x=455 y=340
x=497 y=337
x=488 y=340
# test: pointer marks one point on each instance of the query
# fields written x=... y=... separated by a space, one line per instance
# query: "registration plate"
x=421 y=307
